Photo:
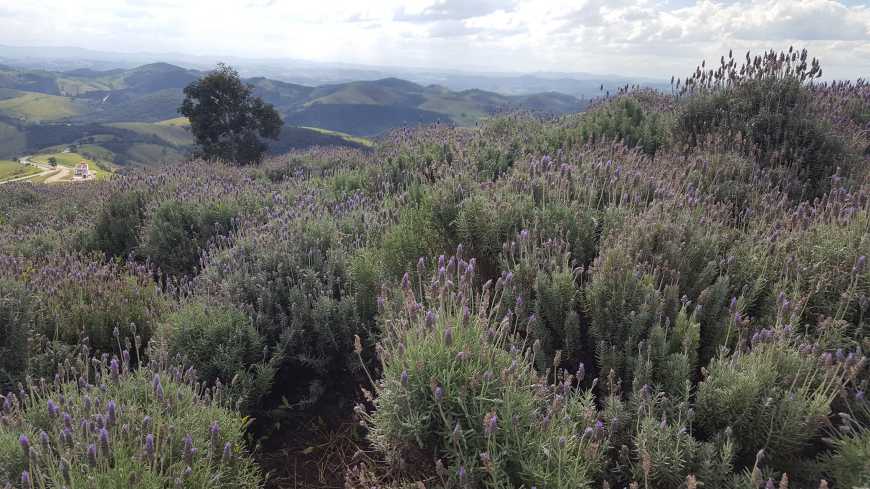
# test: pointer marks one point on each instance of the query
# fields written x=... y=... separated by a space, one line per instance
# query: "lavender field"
x=669 y=290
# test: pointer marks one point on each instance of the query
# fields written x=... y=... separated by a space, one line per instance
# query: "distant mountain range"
x=314 y=73
x=121 y=107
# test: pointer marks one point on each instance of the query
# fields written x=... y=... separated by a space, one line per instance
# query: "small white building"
x=82 y=170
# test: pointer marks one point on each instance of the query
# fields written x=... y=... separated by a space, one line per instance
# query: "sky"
x=650 y=38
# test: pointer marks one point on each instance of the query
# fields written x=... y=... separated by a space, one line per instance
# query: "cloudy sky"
x=634 y=37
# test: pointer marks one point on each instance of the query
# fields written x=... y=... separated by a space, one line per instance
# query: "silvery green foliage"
x=101 y=423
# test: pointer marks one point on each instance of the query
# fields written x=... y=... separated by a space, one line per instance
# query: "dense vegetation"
x=669 y=290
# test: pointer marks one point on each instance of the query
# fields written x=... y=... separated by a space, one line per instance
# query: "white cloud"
x=640 y=37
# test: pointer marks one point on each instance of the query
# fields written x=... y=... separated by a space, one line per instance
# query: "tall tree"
x=228 y=122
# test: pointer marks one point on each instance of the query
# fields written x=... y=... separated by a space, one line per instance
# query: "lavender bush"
x=670 y=290
x=101 y=424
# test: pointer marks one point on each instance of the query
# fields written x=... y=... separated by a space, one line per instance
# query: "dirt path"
x=61 y=176
x=56 y=174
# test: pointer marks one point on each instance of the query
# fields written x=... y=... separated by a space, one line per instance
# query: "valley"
x=124 y=117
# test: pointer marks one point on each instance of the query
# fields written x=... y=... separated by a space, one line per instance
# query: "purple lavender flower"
x=26 y=483
x=43 y=440
x=438 y=393
x=645 y=391
x=115 y=370
x=92 y=455
x=188 y=449
x=214 y=432
x=448 y=336
x=104 y=442
x=859 y=264
x=490 y=424
x=111 y=414
x=430 y=319
x=404 y=378
x=53 y=410
x=24 y=441
x=149 y=445
x=461 y=474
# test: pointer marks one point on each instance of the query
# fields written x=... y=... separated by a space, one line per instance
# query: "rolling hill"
x=131 y=114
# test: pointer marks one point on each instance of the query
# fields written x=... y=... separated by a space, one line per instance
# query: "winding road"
x=55 y=174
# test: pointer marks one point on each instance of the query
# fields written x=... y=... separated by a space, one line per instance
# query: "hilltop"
x=668 y=290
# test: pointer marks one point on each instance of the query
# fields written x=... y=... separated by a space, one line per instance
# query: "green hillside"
x=12 y=140
x=35 y=107
x=130 y=116
x=13 y=169
x=173 y=134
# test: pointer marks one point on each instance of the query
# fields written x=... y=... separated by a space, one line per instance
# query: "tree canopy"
x=228 y=122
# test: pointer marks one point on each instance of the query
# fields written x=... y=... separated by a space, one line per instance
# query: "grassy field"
x=75 y=87
x=348 y=137
x=96 y=152
x=71 y=160
x=13 y=169
x=177 y=122
x=175 y=134
x=152 y=153
x=43 y=178
x=32 y=106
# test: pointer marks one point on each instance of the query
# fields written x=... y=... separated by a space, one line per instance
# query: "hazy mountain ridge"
x=151 y=93
x=123 y=111
x=316 y=73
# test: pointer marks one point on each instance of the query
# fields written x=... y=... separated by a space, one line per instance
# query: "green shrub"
x=296 y=292
x=486 y=222
x=772 y=398
x=52 y=308
x=219 y=341
x=147 y=429
x=117 y=229
x=577 y=227
x=773 y=118
x=409 y=239
x=460 y=397
x=622 y=304
x=177 y=233
x=848 y=465
x=494 y=161
x=17 y=314
x=624 y=119
x=545 y=297
x=100 y=306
